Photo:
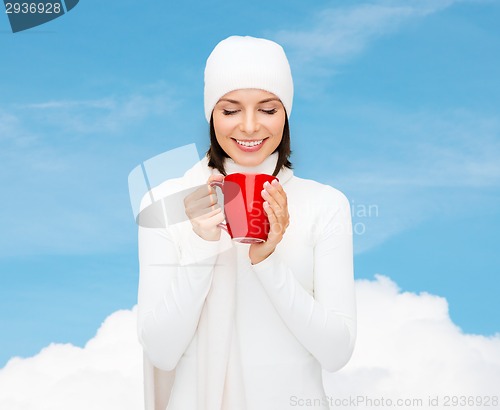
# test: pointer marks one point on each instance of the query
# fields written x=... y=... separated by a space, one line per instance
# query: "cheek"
x=223 y=126
x=276 y=126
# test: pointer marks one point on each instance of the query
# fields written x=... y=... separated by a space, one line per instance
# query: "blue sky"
x=396 y=104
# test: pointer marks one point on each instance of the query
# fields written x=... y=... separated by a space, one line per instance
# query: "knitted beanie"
x=247 y=62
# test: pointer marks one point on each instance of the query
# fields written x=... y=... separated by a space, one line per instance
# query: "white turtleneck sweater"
x=295 y=310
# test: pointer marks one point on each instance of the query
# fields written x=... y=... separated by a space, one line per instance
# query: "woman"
x=227 y=325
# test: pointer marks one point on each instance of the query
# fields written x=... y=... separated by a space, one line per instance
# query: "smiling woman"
x=230 y=325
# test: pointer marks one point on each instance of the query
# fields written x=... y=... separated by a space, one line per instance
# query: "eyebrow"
x=260 y=102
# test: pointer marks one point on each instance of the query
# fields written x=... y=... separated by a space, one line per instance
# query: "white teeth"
x=249 y=144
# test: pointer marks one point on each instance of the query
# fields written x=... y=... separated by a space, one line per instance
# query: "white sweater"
x=295 y=310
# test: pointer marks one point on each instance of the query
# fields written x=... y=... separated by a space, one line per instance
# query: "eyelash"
x=268 y=112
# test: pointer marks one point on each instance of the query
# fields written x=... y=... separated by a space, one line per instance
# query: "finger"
x=207 y=201
x=197 y=212
x=199 y=192
x=277 y=193
x=204 y=198
x=197 y=207
x=201 y=217
x=214 y=214
x=215 y=177
x=275 y=226
x=277 y=208
x=275 y=183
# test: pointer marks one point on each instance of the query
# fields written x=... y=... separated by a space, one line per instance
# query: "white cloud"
x=407 y=347
x=13 y=135
x=109 y=114
x=340 y=33
x=336 y=35
x=104 y=103
x=105 y=374
x=454 y=148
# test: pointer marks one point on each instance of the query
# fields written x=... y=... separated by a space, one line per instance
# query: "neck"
x=265 y=167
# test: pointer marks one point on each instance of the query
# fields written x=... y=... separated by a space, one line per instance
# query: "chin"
x=245 y=161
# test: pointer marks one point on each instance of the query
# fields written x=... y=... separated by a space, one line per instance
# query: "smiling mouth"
x=252 y=143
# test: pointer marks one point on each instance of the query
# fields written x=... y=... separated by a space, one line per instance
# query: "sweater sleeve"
x=325 y=322
x=175 y=277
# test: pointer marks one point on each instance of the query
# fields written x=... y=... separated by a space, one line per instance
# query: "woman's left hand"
x=279 y=219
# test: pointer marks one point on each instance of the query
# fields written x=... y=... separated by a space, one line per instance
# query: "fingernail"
x=267 y=184
x=266 y=204
x=275 y=182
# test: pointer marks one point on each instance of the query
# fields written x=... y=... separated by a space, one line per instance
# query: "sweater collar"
x=266 y=167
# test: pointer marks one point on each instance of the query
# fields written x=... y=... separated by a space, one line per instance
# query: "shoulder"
x=322 y=196
x=318 y=207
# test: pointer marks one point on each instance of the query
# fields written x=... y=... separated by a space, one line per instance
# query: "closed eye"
x=229 y=112
x=270 y=112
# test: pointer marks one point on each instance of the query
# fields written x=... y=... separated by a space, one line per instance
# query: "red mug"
x=246 y=219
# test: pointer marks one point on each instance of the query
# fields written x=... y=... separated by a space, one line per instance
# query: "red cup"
x=246 y=220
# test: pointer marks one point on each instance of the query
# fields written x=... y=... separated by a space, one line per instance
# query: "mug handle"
x=220 y=184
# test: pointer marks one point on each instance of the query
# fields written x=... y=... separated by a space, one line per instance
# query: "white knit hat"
x=247 y=62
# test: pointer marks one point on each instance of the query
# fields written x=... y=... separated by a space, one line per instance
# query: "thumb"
x=215 y=177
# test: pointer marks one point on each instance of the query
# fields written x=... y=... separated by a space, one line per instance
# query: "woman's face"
x=249 y=125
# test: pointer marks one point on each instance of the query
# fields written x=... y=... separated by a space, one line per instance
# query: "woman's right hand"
x=203 y=210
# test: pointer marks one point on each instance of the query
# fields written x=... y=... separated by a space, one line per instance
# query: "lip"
x=250 y=149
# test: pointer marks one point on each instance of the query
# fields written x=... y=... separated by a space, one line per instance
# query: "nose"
x=249 y=124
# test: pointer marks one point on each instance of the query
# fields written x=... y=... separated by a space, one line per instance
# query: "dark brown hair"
x=216 y=154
